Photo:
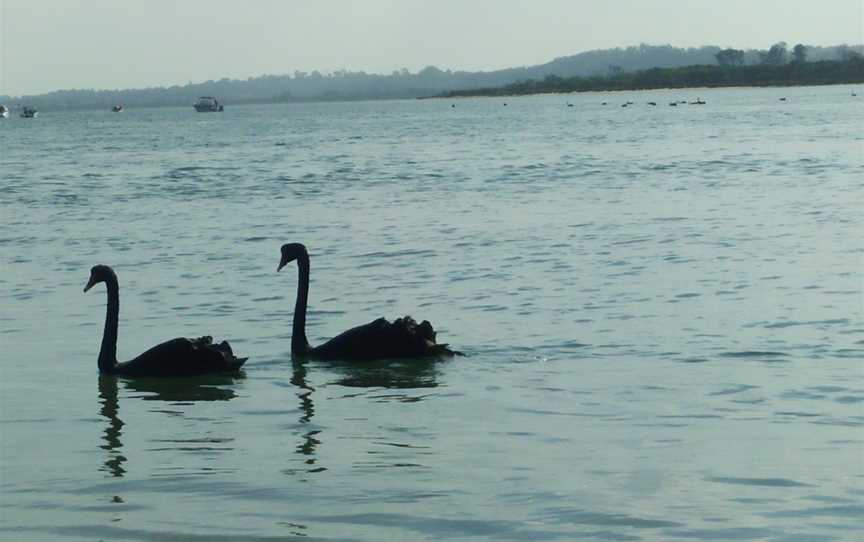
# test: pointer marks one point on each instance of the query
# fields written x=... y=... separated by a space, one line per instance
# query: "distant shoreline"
x=695 y=87
x=475 y=93
x=609 y=69
x=454 y=95
x=689 y=77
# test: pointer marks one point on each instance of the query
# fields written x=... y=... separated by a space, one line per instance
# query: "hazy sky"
x=59 y=44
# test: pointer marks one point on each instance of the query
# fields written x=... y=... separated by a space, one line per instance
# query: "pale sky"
x=109 y=44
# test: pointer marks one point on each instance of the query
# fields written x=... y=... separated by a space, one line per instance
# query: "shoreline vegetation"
x=826 y=72
x=631 y=68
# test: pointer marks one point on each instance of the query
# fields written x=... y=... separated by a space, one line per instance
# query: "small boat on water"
x=29 y=113
x=117 y=108
x=208 y=104
x=4 y=112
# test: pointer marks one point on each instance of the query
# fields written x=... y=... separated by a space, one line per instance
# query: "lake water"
x=661 y=308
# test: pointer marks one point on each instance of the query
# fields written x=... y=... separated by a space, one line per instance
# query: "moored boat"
x=4 y=112
x=208 y=104
x=117 y=108
x=29 y=113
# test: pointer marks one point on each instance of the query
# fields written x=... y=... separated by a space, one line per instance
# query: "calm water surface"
x=662 y=310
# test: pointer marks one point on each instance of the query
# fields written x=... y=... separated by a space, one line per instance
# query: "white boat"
x=208 y=104
x=4 y=112
x=29 y=113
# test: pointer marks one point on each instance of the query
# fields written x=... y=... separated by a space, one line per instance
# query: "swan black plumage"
x=379 y=339
x=177 y=357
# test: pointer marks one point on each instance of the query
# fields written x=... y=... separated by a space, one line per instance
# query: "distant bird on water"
x=177 y=357
x=379 y=339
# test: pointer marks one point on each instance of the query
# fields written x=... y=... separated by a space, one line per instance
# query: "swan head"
x=99 y=273
x=291 y=252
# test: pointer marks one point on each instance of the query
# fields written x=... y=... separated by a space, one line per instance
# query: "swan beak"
x=281 y=265
x=90 y=284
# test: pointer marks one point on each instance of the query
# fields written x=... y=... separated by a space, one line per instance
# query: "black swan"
x=177 y=357
x=379 y=339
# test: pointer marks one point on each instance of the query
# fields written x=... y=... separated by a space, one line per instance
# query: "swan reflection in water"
x=309 y=443
x=114 y=429
x=201 y=388
x=175 y=390
x=407 y=375
x=386 y=375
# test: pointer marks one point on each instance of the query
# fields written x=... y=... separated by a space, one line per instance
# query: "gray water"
x=661 y=310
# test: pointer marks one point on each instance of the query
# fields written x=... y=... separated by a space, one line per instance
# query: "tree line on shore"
x=823 y=72
x=643 y=66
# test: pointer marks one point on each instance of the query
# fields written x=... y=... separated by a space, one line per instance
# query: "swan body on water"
x=177 y=357
x=379 y=339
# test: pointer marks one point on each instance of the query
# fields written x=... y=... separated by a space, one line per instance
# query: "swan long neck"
x=299 y=344
x=108 y=352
